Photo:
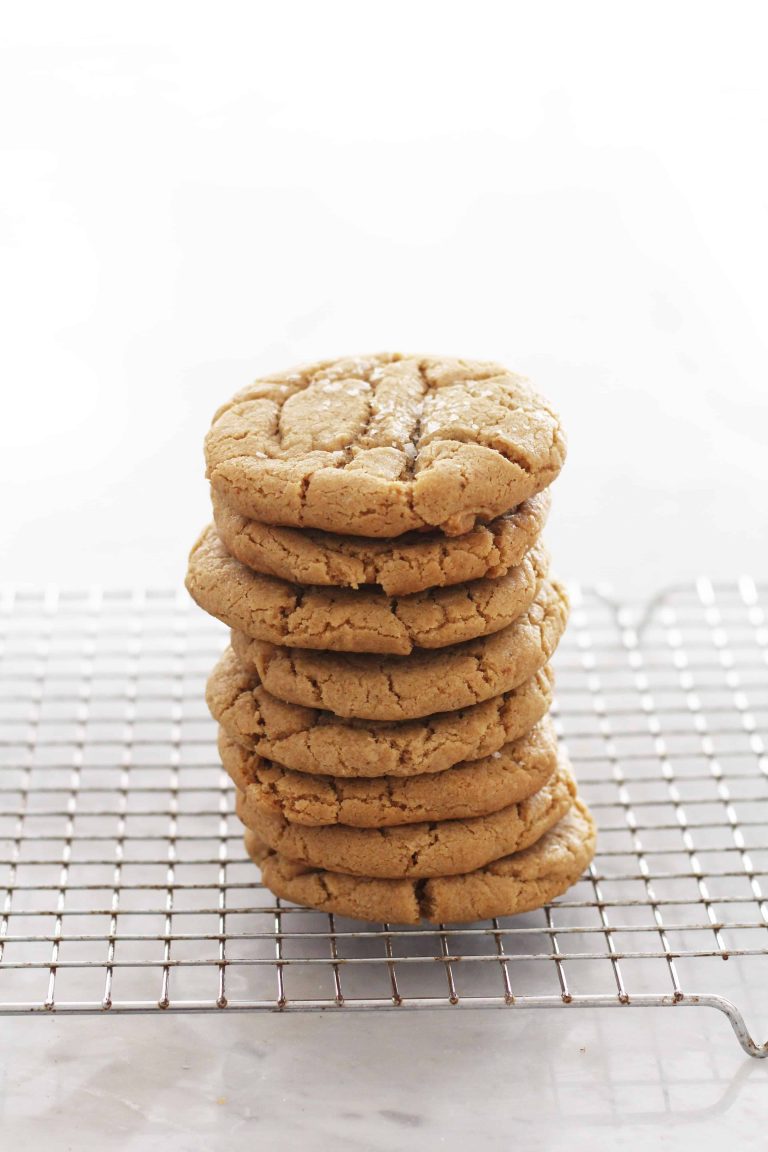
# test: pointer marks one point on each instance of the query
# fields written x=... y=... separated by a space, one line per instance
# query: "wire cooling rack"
x=124 y=886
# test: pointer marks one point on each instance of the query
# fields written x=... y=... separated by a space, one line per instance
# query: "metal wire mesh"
x=124 y=885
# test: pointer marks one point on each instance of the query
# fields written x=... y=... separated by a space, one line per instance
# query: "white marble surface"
x=560 y=1082
x=579 y=191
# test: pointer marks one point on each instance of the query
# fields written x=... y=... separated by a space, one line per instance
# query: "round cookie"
x=411 y=563
x=382 y=445
x=442 y=848
x=309 y=740
x=505 y=887
x=345 y=620
x=396 y=688
x=473 y=788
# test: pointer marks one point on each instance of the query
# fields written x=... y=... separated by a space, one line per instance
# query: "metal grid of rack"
x=124 y=886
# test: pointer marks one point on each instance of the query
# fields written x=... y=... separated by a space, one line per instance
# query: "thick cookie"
x=345 y=620
x=408 y=564
x=381 y=445
x=397 y=688
x=442 y=848
x=473 y=788
x=517 y=883
x=309 y=740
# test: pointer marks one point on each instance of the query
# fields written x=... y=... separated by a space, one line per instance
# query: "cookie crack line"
x=316 y=741
x=287 y=451
x=506 y=886
x=399 y=688
x=412 y=450
x=413 y=563
x=270 y=609
x=427 y=848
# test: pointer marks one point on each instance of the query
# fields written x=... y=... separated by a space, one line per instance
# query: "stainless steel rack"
x=124 y=886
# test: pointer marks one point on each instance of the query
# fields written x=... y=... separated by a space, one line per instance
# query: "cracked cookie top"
x=411 y=563
x=346 y=620
x=381 y=445
x=472 y=788
x=427 y=848
x=314 y=741
x=505 y=887
x=374 y=687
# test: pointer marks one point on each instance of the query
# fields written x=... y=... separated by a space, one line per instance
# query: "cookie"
x=473 y=788
x=382 y=445
x=310 y=740
x=366 y=620
x=404 y=688
x=441 y=848
x=408 y=564
x=505 y=887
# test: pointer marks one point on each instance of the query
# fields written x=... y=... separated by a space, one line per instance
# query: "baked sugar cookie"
x=310 y=740
x=441 y=848
x=472 y=788
x=349 y=620
x=382 y=445
x=505 y=887
x=404 y=688
x=411 y=563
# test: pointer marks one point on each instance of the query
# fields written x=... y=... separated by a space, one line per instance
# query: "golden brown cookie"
x=473 y=788
x=411 y=563
x=437 y=848
x=505 y=887
x=404 y=688
x=381 y=445
x=310 y=740
x=366 y=620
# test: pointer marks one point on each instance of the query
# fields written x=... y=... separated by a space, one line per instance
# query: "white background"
x=194 y=193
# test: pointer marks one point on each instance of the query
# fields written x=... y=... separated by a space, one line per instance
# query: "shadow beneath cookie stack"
x=383 y=707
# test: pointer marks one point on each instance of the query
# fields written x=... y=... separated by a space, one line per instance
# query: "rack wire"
x=124 y=886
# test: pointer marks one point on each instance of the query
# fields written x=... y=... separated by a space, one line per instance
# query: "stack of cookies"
x=383 y=706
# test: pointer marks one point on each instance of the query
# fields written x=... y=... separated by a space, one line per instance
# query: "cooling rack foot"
x=758 y=1051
